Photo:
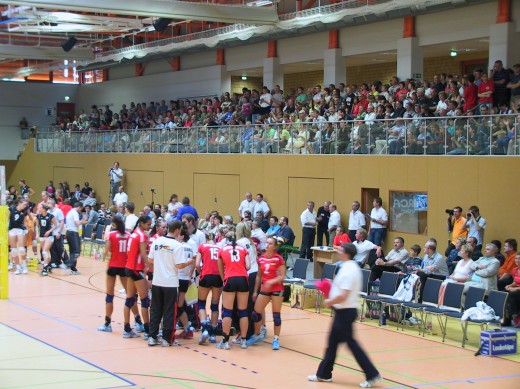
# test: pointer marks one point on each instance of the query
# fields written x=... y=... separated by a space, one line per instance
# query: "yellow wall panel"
x=489 y=182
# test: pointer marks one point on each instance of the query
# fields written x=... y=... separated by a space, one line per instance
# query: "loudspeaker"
x=161 y=24
x=69 y=44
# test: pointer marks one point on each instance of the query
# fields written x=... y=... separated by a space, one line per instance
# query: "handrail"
x=454 y=135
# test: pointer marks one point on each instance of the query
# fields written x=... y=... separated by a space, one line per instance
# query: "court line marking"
x=45 y=315
x=468 y=380
x=69 y=354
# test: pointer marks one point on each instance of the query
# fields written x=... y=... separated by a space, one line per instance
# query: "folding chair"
x=496 y=300
x=430 y=299
x=299 y=273
x=396 y=304
x=86 y=238
x=387 y=288
x=473 y=296
x=329 y=271
x=366 y=279
x=99 y=239
x=452 y=302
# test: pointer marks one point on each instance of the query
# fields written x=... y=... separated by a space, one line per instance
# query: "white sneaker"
x=18 y=270
x=10 y=266
x=315 y=378
x=371 y=383
x=223 y=345
x=24 y=269
x=243 y=344
x=63 y=266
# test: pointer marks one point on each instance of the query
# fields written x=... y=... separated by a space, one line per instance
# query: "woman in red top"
x=137 y=259
x=514 y=293
x=233 y=264
x=340 y=238
x=269 y=287
x=210 y=280
x=116 y=245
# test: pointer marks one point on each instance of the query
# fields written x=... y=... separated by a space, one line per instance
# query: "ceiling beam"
x=41 y=52
x=164 y=9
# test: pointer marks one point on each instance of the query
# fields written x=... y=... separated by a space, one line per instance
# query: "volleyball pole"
x=4 y=241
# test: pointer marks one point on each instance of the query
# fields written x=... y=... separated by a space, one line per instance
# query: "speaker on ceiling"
x=69 y=44
x=161 y=24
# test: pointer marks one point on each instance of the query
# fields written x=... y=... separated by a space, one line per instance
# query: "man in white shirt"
x=73 y=221
x=356 y=220
x=334 y=222
x=261 y=205
x=58 y=253
x=363 y=247
x=120 y=198
x=247 y=205
x=392 y=262
x=257 y=233
x=265 y=101
x=116 y=177
x=378 y=222
x=129 y=218
x=309 y=221
x=167 y=256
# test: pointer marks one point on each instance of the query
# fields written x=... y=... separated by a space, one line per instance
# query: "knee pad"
x=243 y=313
x=277 y=319
x=109 y=298
x=130 y=301
x=214 y=307
x=256 y=317
x=227 y=313
x=35 y=242
x=145 y=302
x=21 y=250
x=201 y=304
x=45 y=254
x=180 y=310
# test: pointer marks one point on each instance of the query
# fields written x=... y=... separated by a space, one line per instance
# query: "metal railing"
x=474 y=135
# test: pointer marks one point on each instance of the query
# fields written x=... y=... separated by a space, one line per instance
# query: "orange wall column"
x=176 y=63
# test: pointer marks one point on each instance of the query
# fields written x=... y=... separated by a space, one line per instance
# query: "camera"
x=469 y=215
x=449 y=211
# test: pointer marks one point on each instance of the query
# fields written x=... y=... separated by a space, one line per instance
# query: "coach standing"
x=343 y=299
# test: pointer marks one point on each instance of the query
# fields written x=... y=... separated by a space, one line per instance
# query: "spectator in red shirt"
x=470 y=93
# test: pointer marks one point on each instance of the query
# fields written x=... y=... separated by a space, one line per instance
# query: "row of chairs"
x=453 y=306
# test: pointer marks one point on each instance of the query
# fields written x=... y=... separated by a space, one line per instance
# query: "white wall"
x=456 y=24
x=371 y=38
x=302 y=48
x=246 y=57
x=170 y=85
x=27 y=100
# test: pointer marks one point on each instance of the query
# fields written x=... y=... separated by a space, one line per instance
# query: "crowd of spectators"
x=449 y=114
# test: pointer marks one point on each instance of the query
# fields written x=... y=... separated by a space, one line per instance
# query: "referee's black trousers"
x=164 y=307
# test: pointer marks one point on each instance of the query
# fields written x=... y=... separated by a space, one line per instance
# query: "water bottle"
x=383 y=319
x=94 y=254
x=429 y=327
x=362 y=317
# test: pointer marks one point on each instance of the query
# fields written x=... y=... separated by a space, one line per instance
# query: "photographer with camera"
x=116 y=178
x=456 y=224
x=475 y=225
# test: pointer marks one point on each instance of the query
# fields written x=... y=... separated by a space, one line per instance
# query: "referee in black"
x=343 y=298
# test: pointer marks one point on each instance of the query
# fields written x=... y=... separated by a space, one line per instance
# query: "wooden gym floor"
x=48 y=339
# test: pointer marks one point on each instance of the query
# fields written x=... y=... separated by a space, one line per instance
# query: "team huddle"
x=172 y=260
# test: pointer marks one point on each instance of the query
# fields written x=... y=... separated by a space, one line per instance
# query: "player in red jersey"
x=135 y=265
x=269 y=287
x=233 y=265
x=116 y=245
x=210 y=280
